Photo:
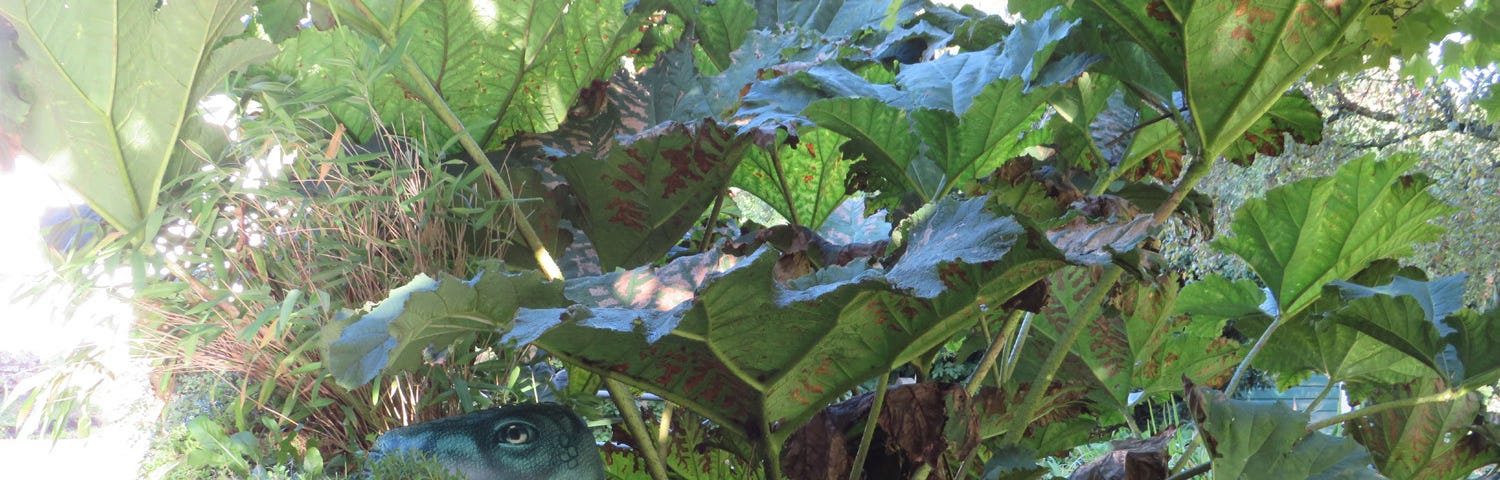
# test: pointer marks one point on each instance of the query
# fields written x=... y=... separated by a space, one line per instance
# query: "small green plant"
x=413 y=465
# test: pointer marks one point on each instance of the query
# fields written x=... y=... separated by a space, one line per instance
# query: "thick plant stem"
x=770 y=452
x=1260 y=343
x=992 y=353
x=1034 y=396
x=1194 y=174
x=785 y=187
x=1443 y=396
x=708 y=225
x=664 y=431
x=870 y=422
x=1039 y=386
x=429 y=96
x=434 y=101
x=1008 y=369
x=620 y=394
x=1322 y=395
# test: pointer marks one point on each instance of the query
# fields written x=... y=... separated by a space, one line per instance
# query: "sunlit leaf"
x=1304 y=235
x=106 y=121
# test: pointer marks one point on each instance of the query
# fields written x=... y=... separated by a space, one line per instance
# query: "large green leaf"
x=1255 y=441
x=1304 y=235
x=946 y=232
x=1218 y=298
x=951 y=83
x=830 y=18
x=1137 y=345
x=809 y=175
x=1000 y=124
x=501 y=66
x=1233 y=59
x=749 y=350
x=429 y=313
x=1303 y=347
x=882 y=135
x=1155 y=26
x=1410 y=316
x=112 y=84
x=649 y=191
x=743 y=349
x=1429 y=441
x=1477 y=338
x=1241 y=57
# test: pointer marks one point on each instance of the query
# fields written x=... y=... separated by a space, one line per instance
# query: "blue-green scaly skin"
x=475 y=444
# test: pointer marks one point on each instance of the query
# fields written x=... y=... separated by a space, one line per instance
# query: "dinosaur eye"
x=516 y=433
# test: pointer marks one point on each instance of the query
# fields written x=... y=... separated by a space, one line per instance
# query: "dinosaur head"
x=518 y=442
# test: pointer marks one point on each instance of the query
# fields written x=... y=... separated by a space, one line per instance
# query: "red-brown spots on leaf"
x=682 y=172
x=1242 y=32
x=1252 y=13
x=634 y=170
x=620 y=184
x=953 y=275
x=1158 y=11
x=808 y=178
x=810 y=150
x=627 y=214
x=669 y=373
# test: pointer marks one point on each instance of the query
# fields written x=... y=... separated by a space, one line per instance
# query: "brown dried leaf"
x=1136 y=459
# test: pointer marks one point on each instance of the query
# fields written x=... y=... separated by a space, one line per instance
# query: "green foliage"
x=1261 y=441
x=1439 y=433
x=1005 y=168
x=106 y=122
x=413 y=465
x=1334 y=227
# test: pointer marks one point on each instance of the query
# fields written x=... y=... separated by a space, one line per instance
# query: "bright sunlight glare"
x=43 y=328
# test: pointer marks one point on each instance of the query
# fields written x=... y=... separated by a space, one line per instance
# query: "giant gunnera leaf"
x=112 y=85
x=501 y=66
x=1428 y=441
x=1302 y=236
x=733 y=343
x=1259 y=441
x=426 y=313
x=645 y=194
